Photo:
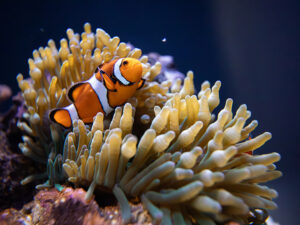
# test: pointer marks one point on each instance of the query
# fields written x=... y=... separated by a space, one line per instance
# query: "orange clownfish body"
x=111 y=85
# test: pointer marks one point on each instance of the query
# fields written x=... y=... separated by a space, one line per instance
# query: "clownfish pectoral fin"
x=141 y=83
x=108 y=83
x=62 y=117
x=75 y=91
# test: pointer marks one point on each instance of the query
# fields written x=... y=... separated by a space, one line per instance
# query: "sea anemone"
x=164 y=147
x=53 y=71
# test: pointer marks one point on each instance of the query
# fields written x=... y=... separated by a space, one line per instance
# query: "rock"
x=8 y=122
x=12 y=193
x=14 y=166
x=69 y=207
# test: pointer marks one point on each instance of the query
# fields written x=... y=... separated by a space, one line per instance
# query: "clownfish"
x=111 y=85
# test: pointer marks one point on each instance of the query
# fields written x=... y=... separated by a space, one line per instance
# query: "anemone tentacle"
x=165 y=146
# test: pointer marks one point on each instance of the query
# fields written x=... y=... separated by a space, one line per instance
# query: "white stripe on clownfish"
x=118 y=73
x=72 y=111
x=101 y=92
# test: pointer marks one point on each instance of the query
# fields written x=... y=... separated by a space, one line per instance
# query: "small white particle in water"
x=42 y=29
x=164 y=39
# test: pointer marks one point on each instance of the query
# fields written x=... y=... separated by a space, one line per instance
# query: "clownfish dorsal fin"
x=75 y=90
x=141 y=83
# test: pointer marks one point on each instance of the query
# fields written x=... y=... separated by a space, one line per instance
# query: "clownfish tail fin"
x=64 y=116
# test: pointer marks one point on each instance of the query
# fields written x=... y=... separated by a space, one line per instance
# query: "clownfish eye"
x=125 y=62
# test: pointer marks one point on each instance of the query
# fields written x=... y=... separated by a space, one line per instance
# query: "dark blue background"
x=251 y=46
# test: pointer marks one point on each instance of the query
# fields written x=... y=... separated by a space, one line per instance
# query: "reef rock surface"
x=69 y=207
x=14 y=165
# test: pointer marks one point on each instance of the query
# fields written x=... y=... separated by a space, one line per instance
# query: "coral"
x=9 y=120
x=164 y=147
x=12 y=193
x=12 y=161
x=68 y=207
